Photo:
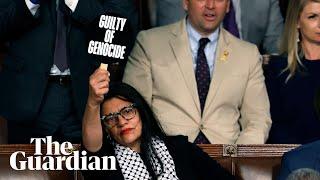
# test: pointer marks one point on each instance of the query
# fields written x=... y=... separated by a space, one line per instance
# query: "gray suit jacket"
x=261 y=20
x=261 y=23
x=167 y=11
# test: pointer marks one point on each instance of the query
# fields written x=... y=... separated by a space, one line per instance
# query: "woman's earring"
x=298 y=37
x=297 y=45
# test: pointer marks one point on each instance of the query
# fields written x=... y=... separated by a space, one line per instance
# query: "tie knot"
x=203 y=42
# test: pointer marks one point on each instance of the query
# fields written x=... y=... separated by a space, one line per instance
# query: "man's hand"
x=98 y=86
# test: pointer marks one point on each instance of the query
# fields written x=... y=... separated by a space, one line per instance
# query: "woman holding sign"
x=118 y=122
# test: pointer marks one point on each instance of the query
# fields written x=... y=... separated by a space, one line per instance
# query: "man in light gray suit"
x=259 y=21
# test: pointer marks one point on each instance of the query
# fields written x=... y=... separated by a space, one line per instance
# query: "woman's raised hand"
x=98 y=85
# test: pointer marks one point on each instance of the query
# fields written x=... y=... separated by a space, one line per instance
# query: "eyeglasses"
x=127 y=113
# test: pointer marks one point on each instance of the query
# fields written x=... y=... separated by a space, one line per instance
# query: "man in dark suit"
x=306 y=156
x=44 y=80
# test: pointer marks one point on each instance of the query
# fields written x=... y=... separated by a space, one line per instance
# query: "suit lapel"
x=221 y=68
x=180 y=46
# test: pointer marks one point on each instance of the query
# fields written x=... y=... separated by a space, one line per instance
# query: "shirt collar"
x=194 y=35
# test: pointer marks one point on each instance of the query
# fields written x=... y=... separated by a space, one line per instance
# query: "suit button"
x=201 y=126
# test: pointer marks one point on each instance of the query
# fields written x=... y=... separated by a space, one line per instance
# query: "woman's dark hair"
x=150 y=125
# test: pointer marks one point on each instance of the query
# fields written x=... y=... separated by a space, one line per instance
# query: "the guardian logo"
x=63 y=155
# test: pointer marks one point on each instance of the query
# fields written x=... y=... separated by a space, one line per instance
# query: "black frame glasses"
x=112 y=119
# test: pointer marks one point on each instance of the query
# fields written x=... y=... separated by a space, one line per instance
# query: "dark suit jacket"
x=31 y=41
x=292 y=104
x=306 y=156
x=191 y=162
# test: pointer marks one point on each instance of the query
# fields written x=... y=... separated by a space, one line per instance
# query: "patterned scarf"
x=132 y=166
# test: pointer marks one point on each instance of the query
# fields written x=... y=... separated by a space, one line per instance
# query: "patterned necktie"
x=230 y=23
x=202 y=73
x=203 y=82
x=60 y=52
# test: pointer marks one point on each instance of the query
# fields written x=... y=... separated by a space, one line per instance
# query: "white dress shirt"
x=209 y=50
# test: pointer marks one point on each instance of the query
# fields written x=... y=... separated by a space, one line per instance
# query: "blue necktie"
x=203 y=82
x=230 y=23
x=60 y=52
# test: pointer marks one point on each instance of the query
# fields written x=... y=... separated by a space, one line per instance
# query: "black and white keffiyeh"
x=132 y=166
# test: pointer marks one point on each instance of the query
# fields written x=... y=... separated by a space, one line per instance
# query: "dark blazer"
x=191 y=162
x=293 y=103
x=31 y=42
x=306 y=156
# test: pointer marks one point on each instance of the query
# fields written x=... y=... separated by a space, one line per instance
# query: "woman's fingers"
x=100 y=75
x=100 y=88
x=103 y=84
x=102 y=91
x=99 y=84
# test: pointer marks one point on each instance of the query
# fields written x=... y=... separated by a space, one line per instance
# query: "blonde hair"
x=289 y=43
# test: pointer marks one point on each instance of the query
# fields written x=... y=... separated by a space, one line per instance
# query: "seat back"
x=250 y=162
x=3 y=131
